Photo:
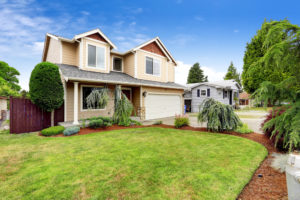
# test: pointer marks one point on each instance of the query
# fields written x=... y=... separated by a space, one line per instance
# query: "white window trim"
x=201 y=93
x=122 y=63
x=87 y=56
x=81 y=98
x=160 y=66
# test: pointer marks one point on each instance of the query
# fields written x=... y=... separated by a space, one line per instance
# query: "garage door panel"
x=162 y=105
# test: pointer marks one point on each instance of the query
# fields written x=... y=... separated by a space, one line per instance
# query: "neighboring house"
x=89 y=61
x=245 y=99
x=3 y=107
x=222 y=91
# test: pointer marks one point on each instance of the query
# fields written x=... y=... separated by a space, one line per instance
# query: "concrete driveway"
x=252 y=118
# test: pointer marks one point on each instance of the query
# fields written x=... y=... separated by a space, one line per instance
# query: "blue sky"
x=212 y=33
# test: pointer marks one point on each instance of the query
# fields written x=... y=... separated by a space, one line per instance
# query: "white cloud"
x=199 y=18
x=137 y=10
x=236 y=30
x=182 y=39
x=85 y=12
x=182 y=71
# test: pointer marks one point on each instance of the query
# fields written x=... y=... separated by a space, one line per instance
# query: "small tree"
x=219 y=117
x=232 y=74
x=45 y=87
x=123 y=108
x=9 y=74
x=196 y=74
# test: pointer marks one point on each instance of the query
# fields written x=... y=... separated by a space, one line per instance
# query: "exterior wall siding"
x=70 y=53
x=128 y=62
x=84 y=55
x=3 y=105
x=141 y=70
x=53 y=54
x=215 y=93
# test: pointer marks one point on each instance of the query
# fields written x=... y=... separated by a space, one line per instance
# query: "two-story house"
x=89 y=61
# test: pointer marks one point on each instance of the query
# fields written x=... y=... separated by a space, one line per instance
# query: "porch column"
x=75 y=103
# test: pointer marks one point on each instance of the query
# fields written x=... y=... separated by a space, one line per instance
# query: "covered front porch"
x=75 y=100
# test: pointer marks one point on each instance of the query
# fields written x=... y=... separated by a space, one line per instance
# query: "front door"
x=230 y=97
x=127 y=92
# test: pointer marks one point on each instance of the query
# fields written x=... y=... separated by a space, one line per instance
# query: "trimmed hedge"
x=45 y=86
x=71 y=131
x=99 y=123
x=54 y=130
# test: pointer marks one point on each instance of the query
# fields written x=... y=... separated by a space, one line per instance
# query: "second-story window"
x=96 y=56
x=117 y=64
x=152 y=66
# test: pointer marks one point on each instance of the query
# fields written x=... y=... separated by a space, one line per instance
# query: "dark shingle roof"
x=74 y=73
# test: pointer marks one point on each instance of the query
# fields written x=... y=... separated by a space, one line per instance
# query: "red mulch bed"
x=272 y=184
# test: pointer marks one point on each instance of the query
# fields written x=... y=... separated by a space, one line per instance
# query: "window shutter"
x=208 y=92
x=198 y=93
x=223 y=94
x=156 y=67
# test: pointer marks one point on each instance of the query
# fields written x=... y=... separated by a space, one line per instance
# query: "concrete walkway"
x=252 y=118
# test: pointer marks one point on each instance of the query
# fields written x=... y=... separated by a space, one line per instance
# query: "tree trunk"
x=52 y=118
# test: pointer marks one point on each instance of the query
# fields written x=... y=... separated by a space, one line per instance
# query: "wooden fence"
x=26 y=117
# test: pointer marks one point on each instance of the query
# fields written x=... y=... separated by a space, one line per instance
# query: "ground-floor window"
x=86 y=91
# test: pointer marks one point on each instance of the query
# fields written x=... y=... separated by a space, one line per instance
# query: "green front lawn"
x=142 y=163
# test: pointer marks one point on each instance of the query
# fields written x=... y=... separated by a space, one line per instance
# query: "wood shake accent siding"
x=70 y=53
x=153 y=48
x=53 y=53
x=96 y=36
x=128 y=64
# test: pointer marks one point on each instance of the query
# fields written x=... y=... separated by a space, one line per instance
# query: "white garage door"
x=162 y=105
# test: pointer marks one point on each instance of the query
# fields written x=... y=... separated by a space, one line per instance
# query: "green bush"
x=219 y=117
x=157 y=122
x=243 y=129
x=71 y=131
x=181 y=120
x=104 y=119
x=54 y=130
x=134 y=122
x=97 y=123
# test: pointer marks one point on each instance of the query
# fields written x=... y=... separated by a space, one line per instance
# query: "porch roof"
x=74 y=73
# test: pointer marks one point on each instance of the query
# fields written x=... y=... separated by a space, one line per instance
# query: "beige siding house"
x=90 y=61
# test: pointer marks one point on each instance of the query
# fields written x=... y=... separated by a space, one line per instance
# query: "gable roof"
x=224 y=84
x=93 y=32
x=160 y=44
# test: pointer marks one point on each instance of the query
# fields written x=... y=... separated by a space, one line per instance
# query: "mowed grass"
x=142 y=163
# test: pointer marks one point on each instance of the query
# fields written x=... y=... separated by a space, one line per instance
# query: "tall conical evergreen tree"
x=196 y=74
x=232 y=74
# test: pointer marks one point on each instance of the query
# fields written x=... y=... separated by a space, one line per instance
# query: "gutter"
x=118 y=82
